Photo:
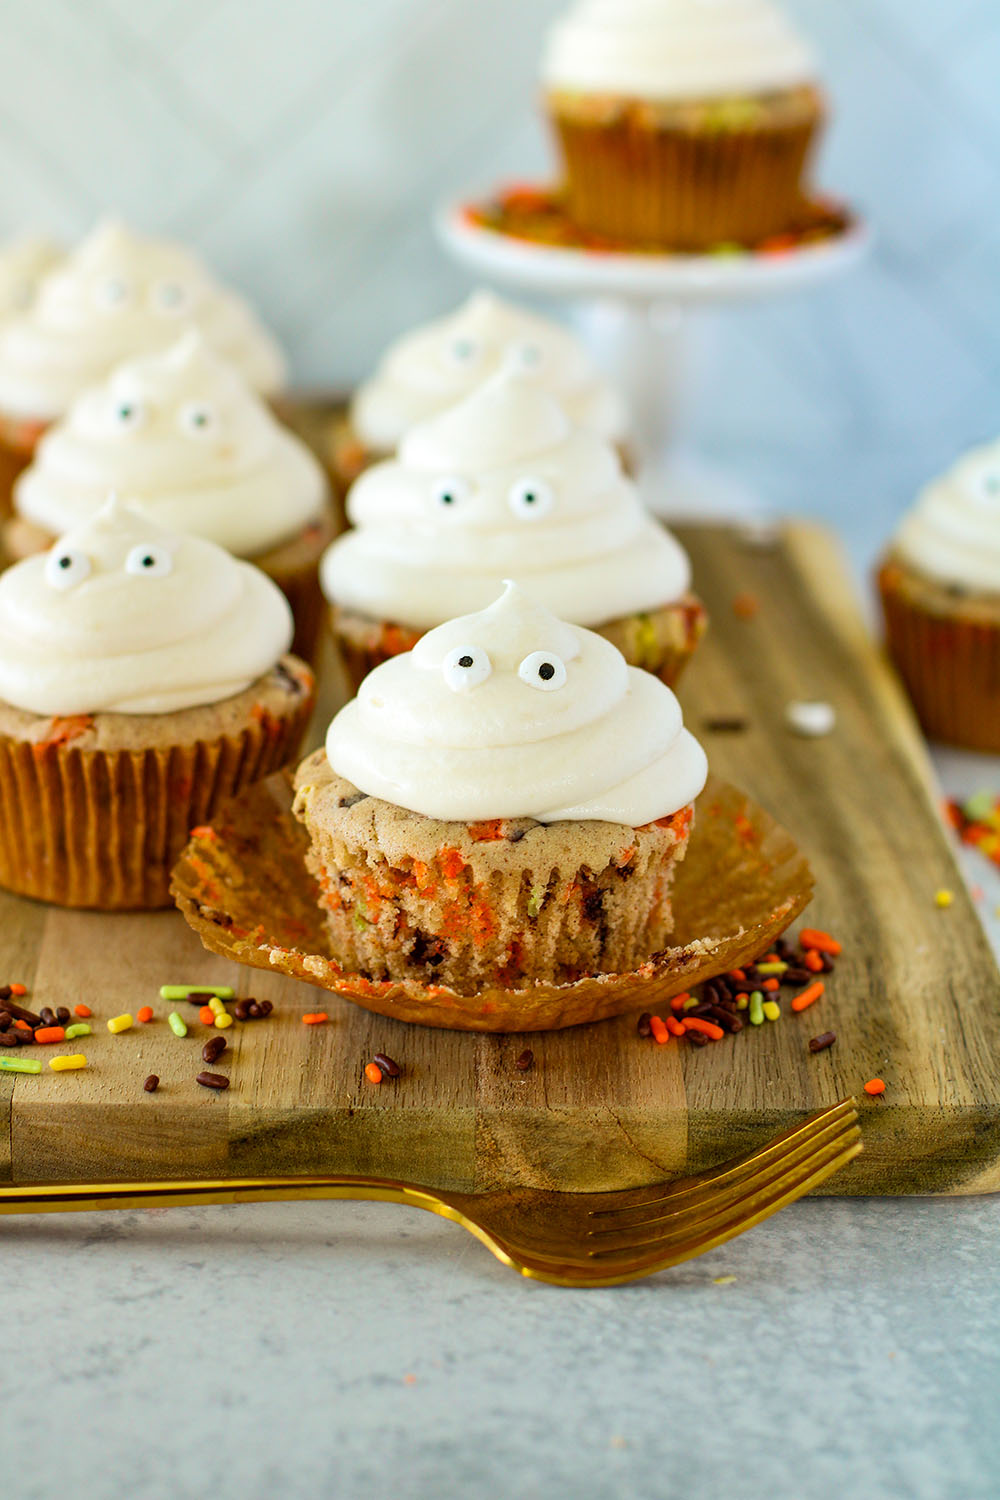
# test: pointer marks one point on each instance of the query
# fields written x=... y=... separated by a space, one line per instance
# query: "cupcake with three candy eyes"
x=435 y=366
x=144 y=678
x=182 y=436
x=117 y=295
x=505 y=485
x=505 y=804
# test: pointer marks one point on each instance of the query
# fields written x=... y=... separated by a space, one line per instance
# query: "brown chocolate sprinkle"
x=731 y=725
x=643 y=1026
x=62 y=1015
x=213 y=1049
x=6 y=1020
x=8 y=1038
x=697 y=1038
x=19 y=1013
x=390 y=1069
x=212 y=1080
x=821 y=1042
x=48 y=1016
x=525 y=1061
x=151 y=1084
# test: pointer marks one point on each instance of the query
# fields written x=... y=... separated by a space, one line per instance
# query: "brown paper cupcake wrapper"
x=662 y=641
x=688 y=189
x=101 y=828
x=950 y=664
x=244 y=887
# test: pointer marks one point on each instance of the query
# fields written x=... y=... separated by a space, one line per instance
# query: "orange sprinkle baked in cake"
x=61 y=731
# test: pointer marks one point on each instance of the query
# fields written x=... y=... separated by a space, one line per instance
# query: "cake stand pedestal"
x=649 y=319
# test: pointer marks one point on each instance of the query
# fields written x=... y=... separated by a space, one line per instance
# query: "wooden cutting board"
x=915 y=999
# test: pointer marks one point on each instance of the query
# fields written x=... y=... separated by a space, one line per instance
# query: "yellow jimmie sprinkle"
x=223 y=1019
x=120 y=1023
x=66 y=1064
x=772 y=1010
x=943 y=898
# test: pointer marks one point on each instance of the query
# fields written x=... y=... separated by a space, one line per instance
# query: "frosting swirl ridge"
x=953 y=532
x=23 y=263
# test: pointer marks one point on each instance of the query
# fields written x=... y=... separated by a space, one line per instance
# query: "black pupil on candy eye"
x=148 y=561
x=126 y=413
x=65 y=562
x=199 y=419
x=529 y=497
x=465 y=661
x=546 y=671
x=447 y=498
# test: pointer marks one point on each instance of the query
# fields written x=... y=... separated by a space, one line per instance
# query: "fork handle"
x=80 y=1197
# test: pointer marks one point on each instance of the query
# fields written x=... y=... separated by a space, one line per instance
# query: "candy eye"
x=531 y=497
x=126 y=416
x=466 y=667
x=152 y=561
x=449 y=491
x=526 y=357
x=112 y=293
x=543 y=670
x=169 y=297
x=197 y=419
x=64 y=568
x=463 y=352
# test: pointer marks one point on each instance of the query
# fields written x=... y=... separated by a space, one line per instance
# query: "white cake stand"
x=649 y=317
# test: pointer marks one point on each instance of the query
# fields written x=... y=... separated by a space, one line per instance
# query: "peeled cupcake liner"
x=690 y=189
x=660 y=640
x=102 y=828
x=947 y=651
x=243 y=885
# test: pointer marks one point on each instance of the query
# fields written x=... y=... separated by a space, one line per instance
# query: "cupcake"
x=505 y=804
x=682 y=123
x=183 y=437
x=116 y=296
x=504 y=485
x=940 y=588
x=143 y=679
x=436 y=366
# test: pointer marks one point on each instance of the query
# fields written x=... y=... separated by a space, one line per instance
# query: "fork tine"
x=731 y=1172
x=714 y=1194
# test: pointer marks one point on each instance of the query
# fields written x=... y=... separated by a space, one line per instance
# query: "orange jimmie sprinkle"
x=707 y=1028
x=812 y=937
x=659 y=1030
x=808 y=996
x=373 y=1072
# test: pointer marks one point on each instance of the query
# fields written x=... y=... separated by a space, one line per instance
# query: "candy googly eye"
x=531 y=498
x=151 y=560
x=127 y=416
x=543 y=670
x=464 y=352
x=526 y=357
x=65 y=568
x=169 y=297
x=197 y=419
x=466 y=667
x=112 y=293
x=449 y=492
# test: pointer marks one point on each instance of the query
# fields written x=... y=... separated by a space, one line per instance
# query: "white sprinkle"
x=811 y=719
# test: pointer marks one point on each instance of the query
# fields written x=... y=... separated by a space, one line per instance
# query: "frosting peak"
x=439 y=364
x=512 y=713
x=503 y=485
x=122 y=616
x=183 y=436
x=953 y=532
x=120 y=294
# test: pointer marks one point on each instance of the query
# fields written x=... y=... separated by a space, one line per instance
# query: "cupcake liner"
x=102 y=828
x=19 y=437
x=661 y=640
x=244 y=887
x=634 y=179
x=947 y=651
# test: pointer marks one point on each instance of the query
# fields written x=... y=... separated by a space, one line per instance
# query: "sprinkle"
x=707 y=1028
x=46 y=1034
x=738 y=974
x=756 y=1009
x=808 y=996
x=723 y=1280
x=813 y=962
x=206 y=1016
x=213 y=1049
x=391 y=1069
x=151 y=1084
x=770 y=985
x=745 y=606
x=875 y=1086
x=20 y=1065
x=675 y=1027
x=212 y=1080
x=821 y=1042
x=188 y=991
x=772 y=1010
x=742 y=1001
x=176 y=1023
x=67 y=1064
x=691 y=1002
x=643 y=1026
x=679 y=1001
x=770 y=968
x=659 y=1030
x=79 y=1028
x=145 y=1014
x=812 y=937
x=223 y=1019
x=216 y=1006
x=19 y=990
x=315 y=1018
x=83 y=1011
x=810 y=719
x=726 y=725
x=943 y=898
x=119 y=1023
x=373 y=1072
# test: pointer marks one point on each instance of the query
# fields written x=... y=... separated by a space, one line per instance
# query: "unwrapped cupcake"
x=183 y=437
x=117 y=295
x=682 y=123
x=434 y=367
x=506 y=804
x=504 y=485
x=940 y=588
x=144 y=678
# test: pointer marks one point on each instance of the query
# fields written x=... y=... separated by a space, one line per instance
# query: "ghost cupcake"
x=117 y=295
x=144 y=677
x=183 y=437
x=504 y=485
x=940 y=588
x=436 y=366
x=505 y=804
x=23 y=263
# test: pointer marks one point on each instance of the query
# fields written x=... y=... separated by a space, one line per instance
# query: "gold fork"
x=570 y=1239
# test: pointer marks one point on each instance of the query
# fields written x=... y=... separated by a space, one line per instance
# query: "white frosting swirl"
x=435 y=366
x=121 y=616
x=116 y=296
x=181 y=435
x=513 y=714
x=23 y=263
x=675 y=49
x=502 y=485
x=953 y=532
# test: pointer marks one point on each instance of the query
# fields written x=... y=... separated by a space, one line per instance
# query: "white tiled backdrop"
x=302 y=143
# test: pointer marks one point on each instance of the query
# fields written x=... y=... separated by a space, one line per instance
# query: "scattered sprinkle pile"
x=977 y=822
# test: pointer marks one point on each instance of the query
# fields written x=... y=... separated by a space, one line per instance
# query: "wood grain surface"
x=915 y=999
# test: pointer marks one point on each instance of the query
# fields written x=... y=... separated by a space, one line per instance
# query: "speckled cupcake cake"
x=506 y=804
x=143 y=679
x=505 y=486
x=182 y=436
x=434 y=367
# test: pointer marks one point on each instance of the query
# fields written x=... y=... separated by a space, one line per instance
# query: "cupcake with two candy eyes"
x=505 y=486
x=435 y=366
x=183 y=436
x=144 y=678
x=506 y=804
